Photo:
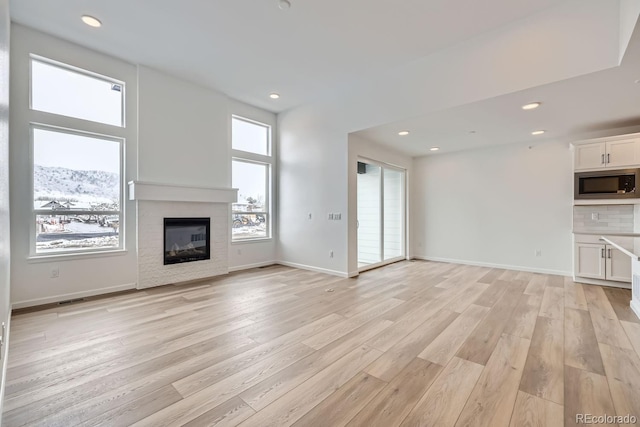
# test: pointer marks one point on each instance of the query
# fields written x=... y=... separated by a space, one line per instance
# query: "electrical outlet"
x=309 y=215
x=330 y=254
x=239 y=251
x=55 y=273
x=595 y=216
x=330 y=217
x=538 y=252
x=337 y=216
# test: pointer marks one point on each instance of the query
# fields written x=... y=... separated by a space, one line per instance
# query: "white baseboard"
x=73 y=295
x=312 y=268
x=635 y=306
x=5 y=348
x=254 y=265
x=492 y=265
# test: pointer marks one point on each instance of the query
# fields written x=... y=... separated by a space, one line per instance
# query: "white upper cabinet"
x=623 y=153
x=590 y=156
x=616 y=153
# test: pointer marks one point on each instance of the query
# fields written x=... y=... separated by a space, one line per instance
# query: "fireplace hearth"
x=186 y=240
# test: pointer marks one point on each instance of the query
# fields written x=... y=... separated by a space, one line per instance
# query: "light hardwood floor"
x=411 y=344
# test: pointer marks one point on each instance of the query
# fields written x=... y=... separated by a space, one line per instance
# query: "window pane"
x=73 y=176
x=249 y=226
x=251 y=181
x=393 y=210
x=249 y=219
x=55 y=233
x=248 y=136
x=59 y=90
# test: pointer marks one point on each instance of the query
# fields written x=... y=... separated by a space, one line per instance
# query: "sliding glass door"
x=381 y=214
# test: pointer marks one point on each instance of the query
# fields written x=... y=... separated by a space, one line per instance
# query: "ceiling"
x=319 y=51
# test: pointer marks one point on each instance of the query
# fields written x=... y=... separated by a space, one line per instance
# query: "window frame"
x=33 y=253
x=260 y=159
x=62 y=123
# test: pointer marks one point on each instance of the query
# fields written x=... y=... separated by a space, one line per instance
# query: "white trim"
x=250 y=266
x=161 y=192
x=635 y=306
x=5 y=363
x=593 y=202
x=492 y=265
x=312 y=268
x=600 y=282
x=73 y=295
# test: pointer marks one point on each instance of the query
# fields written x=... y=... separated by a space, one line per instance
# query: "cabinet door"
x=590 y=156
x=623 y=153
x=589 y=260
x=618 y=265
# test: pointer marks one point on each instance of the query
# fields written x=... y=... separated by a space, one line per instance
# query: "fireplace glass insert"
x=186 y=240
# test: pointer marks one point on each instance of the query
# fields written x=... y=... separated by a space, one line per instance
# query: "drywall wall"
x=5 y=242
x=496 y=207
x=629 y=12
x=312 y=166
x=31 y=282
x=183 y=132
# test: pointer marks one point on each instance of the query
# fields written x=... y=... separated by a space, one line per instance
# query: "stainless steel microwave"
x=607 y=184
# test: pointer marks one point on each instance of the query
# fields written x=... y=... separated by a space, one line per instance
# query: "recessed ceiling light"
x=538 y=132
x=531 y=106
x=434 y=148
x=403 y=133
x=91 y=21
x=284 y=4
x=274 y=95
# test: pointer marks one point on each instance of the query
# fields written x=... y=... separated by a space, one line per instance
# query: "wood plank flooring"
x=410 y=344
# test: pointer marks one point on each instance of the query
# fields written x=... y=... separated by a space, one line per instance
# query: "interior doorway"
x=381 y=214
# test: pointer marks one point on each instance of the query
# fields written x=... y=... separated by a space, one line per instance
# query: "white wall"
x=183 y=132
x=79 y=276
x=5 y=243
x=247 y=254
x=496 y=207
x=312 y=175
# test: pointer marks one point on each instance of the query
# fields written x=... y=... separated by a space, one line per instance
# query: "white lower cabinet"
x=601 y=261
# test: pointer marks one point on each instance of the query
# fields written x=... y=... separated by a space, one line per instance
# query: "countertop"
x=621 y=247
x=601 y=233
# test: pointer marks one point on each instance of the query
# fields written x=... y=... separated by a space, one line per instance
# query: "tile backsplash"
x=611 y=218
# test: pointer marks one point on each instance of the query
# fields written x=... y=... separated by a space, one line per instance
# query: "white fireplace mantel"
x=155 y=191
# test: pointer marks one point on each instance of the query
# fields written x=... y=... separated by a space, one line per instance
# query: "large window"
x=251 y=174
x=77 y=174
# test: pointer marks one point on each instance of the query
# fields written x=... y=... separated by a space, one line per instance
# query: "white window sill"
x=256 y=240
x=75 y=256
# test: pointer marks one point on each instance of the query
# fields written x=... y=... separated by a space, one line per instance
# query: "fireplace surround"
x=157 y=201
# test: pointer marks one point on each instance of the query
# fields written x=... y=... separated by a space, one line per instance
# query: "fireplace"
x=186 y=240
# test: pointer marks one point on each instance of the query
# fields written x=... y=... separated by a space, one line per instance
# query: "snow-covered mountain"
x=85 y=186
